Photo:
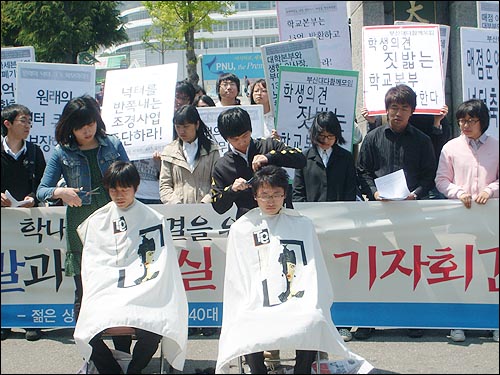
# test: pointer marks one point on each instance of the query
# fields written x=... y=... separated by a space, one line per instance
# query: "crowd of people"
x=90 y=173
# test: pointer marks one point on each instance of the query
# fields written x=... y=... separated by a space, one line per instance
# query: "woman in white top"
x=259 y=95
x=187 y=162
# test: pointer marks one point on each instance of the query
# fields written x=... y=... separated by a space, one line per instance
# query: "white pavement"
x=390 y=351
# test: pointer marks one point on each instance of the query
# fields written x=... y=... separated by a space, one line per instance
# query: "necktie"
x=324 y=156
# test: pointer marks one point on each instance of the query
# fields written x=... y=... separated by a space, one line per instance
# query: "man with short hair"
x=232 y=172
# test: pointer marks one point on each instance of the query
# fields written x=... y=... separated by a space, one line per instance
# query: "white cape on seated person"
x=120 y=289
x=262 y=310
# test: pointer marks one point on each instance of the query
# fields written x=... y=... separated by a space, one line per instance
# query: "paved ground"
x=390 y=351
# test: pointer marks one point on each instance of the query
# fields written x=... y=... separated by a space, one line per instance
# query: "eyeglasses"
x=228 y=84
x=329 y=137
x=267 y=198
x=24 y=121
x=469 y=122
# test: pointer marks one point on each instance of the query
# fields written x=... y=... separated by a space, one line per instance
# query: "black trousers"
x=121 y=343
x=144 y=349
x=303 y=362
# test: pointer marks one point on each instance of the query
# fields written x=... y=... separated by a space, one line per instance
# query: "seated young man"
x=277 y=292
x=131 y=278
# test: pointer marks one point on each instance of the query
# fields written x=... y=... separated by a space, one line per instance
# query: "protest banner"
x=325 y=20
x=480 y=64
x=307 y=91
x=45 y=88
x=444 y=37
x=10 y=57
x=434 y=268
x=299 y=52
x=487 y=15
x=138 y=108
x=403 y=54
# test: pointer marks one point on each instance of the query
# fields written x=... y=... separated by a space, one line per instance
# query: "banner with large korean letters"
x=444 y=37
x=325 y=20
x=10 y=57
x=403 y=54
x=45 y=88
x=413 y=264
x=298 y=52
x=138 y=108
x=303 y=92
x=480 y=67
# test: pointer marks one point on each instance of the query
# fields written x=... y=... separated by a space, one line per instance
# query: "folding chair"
x=242 y=371
x=130 y=331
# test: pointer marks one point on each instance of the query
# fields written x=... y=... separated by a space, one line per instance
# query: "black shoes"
x=363 y=333
x=6 y=333
x=33 y=334
x=415 y=333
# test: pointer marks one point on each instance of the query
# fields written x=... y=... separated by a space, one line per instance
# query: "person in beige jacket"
x=187 y=162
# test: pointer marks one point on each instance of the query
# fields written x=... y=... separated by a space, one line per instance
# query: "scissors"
x=91 y=192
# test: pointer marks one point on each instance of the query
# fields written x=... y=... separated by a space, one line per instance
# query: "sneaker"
x=207 y=331
x=415 y=333
x=363 y=333
x=346 y=334
x=457 y=335
x=33 y=334
x=7 y=331
x=495 y=335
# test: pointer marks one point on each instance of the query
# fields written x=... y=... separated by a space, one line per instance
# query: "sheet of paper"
x=392 y=186
x=14 y=201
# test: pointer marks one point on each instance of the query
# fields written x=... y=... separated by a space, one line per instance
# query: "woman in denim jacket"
x=83 y=153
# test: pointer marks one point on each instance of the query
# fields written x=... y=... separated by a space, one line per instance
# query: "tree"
x=59 y=30
x=175 y=22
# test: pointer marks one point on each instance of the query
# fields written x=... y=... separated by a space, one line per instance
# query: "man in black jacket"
x=23 y=165
x=232 y=172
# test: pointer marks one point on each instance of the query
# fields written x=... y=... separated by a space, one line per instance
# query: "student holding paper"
x=397 y=145
x=393 y=146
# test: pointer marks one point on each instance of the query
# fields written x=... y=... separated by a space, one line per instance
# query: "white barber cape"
x=263 y=310
x=131 y=277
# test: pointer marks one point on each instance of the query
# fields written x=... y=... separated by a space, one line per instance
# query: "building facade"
x=255 y=23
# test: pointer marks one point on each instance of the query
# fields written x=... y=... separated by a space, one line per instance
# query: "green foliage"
x=175 y=22
x=59 y=30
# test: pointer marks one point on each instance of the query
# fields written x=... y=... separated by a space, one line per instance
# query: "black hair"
x=185 y=87
x=206 y=99
x=188 y=114
x=329 y=122
x=77 y=113
x=10 y=113
x=227 y=77
x=271 y=175
x=233 y=122
x=401 y=94
x=261 y=81
x=121 y=174
x=475 y=108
